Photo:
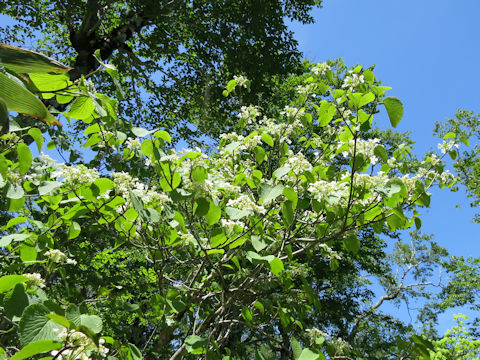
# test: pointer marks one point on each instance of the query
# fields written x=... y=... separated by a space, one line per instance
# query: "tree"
x=258 y=250
x=173 y=55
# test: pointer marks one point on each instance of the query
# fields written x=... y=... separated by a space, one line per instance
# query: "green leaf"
x=269 y=193
x=291 y=195
x=194 y=344
x=247 y=314
x=92 y=322
x=8 y=282
x=35 y=326
x=259 y=306
x=259 y=154
x=236 y=214
x=134 y=353
x=74 y=230
x=81 y=109
x=23 y=61
x=19 y=99
x=101 y=186
x=296 y=348
x=163 y=135
x=147 y=148
x=308 y=354
x=15 y=301
x=352 y=243
x=201 y=206
x=35 y=348
x=24 y=158
x=258 y=243
x=287 y=212
x=59 y=319
x=49 y=82
x=4 y=122
x=214 y=213
x=217 y=237
x=231 y=85
x=141 y=132
x=394 y=109
x=47 y=187
x=37 y=136
x=267 y=139
x=27 y=253
x=276 y=266
x=325 y=113
x=199 y=174
x=381 y=153
x=6 y=240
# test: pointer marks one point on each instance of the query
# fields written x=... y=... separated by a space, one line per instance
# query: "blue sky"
x=428 y=52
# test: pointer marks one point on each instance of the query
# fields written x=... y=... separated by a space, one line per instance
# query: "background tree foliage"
x=173 y=55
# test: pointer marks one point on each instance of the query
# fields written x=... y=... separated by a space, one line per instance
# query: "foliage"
x=173 y=55
x=457 y=343
x=258 y=250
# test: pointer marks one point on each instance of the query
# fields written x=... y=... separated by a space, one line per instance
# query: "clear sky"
x=428 y=52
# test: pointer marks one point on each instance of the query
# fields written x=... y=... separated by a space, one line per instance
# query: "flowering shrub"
x=193 y=250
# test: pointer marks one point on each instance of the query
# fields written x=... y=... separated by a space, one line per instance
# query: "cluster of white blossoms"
x=241 y=81
x=79 y=346
x=78 y=174
x=332 y=192
x=352 y=81
x=229 y=225
x=365 y=147
x=291 y=112
x=59 y=257
x=132 y=143
x=249 y=113
x=446 y=146
x=244 y=202
x=124 y=183
x=305 y=89
x=297 y=163
x=321 y=69
x=35 y=279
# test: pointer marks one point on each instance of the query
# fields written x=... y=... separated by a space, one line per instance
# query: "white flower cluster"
x=249 y=113
x=35 y=279
x=243 y=202
x=241 y=81
x=446 y=146
x=79 y=346
x=321 y=68
x=365 y=147
x=229 y=225
x=132 y=143
x=59 y=257
x=78 y=174
x=352 y=81
x=297 y=163
x=305 y=89
x=125 y=183
x=332 y=192
x=293 y=113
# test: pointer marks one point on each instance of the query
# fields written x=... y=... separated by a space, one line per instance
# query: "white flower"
x=35 y=279
x=447 y=146
x=321 y=69
x=132 y=143
x=351 y=82
x=243 y=202
x=241 y=81
x=76 y=174
x=249 y=113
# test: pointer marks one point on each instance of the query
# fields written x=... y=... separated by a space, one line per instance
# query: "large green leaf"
x=7 y=282
x=19 y=99
x=3 y=117
x=23 y=61
x=35 y=348
x=92 y=322
x=394 y=109
x=34 y=325
x=269 y=193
